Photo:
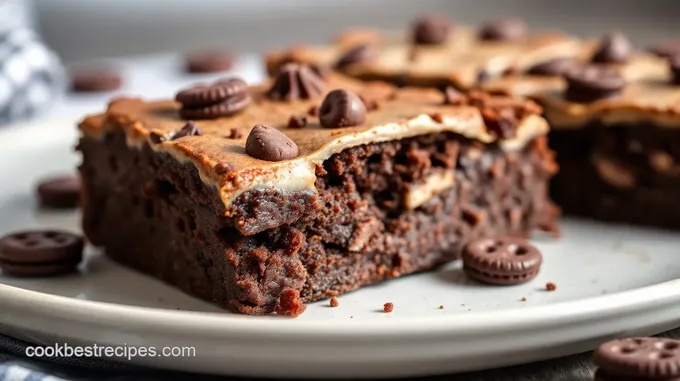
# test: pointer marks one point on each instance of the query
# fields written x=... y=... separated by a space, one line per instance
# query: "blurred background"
x=144 y=41
x=86 y=29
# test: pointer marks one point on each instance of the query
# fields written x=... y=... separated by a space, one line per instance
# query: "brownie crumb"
x=441 y=307
x=235 y=133
x=313 y=111
x=524 y=299
x=388 y=307
x=334 y=302
x=550 y=286
x=290 y=304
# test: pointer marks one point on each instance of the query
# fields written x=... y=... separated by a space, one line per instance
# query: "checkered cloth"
x=31 y=76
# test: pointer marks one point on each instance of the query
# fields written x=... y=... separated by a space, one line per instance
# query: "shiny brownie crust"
x=155 y=214
x=627 y=173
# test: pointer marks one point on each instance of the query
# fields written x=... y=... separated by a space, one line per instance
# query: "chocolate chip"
x=357 y=54
x=501 y=261
x=431 y=30
x=503 y=30
x=222 y=168
x=61 y=192
x=641 y=357
x=156 y=138
x=189 y=129
x=342 y=108
x=555 y=67
x=453 y=96
x=592 y=82
x=40 y=253
x=666 y=49
x=613 y=48
x=268 y=143
x=296 y=81
x=212 y=61
x=222 y=98
x=674 y=63
x=95 y=80
x=235 y=133
x=313 y=111
x=297 y=121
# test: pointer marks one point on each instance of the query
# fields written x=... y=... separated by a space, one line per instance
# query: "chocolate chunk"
x=641 y=357
x=342 y=108
x=61 y=192
x=357 y=54
x=431 y=30
x=222 y=98
x=268 y=143
x=297 y=121
x=189 y=129
x=501 y=261
x=613 y=48
x=95 y=80
x=503 y=30
x=222 y=168
x=40 y=253
x=296 y=81
x=592 y=82
x=208 y=61
x=556 y=67
x=675 y=69
x=666 y=49
x=454 y=97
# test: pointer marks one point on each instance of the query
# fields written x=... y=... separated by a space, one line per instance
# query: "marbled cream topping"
x=459 y=61
x=649 y=94
x=402 y=113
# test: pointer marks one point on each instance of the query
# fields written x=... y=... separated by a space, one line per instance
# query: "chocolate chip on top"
x=675 y=68
x=431 y=30
x=592 y=82
x=613 y=48
x=357 y=54
x=342 y=108
x=296 y=81
x=189 y=129
x=268 y=143
x=555 y=67
x=222 y=98
x=503 y=30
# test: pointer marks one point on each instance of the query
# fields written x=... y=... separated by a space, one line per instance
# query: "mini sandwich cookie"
x=501 y=261
x=40 y=253
x=638 y=359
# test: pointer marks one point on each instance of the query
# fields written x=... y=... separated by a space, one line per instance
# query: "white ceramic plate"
x=610 y=281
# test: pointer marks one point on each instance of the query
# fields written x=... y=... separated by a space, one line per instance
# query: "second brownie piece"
x=294 y=191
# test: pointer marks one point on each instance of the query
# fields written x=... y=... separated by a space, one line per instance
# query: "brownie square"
x=399 y=193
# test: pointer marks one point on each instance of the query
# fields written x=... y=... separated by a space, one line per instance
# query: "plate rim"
x=154 y=319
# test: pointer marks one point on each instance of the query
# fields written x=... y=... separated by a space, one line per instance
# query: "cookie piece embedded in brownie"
x=615 y=127
x=278 y=216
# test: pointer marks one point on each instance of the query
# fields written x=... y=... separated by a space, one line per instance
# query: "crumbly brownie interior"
x=623 y=173
x=155 y=214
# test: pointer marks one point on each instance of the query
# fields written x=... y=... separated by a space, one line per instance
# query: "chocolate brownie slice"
x=433 y=53
x=614 y=125
x=400 y=191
